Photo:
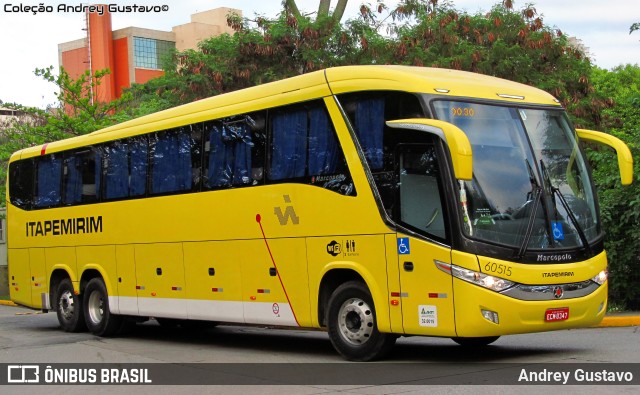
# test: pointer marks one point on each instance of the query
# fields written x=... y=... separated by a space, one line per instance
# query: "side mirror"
x=625 y=160
x=456 y=140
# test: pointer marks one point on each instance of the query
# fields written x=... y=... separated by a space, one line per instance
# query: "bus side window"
x=259 y=139
x=125 y=168
x=288 y=144
x=170 y=162
x=48 y=184
x=21 y=177
x=367 y=113
x=234 y=148
x=81 y=181
x=369 y=127
x=325 y=155
x=138 y=165
x=304 y=148
x=195 y=134
x=116 y=170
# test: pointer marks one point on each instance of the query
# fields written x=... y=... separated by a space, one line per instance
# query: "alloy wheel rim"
x=355 y=321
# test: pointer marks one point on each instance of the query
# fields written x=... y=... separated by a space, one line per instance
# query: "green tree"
x=620 y=206
x=506 y=43
x=511 y=44
x=260 y=51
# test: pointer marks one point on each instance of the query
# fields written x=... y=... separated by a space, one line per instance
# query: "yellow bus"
x=373 y=201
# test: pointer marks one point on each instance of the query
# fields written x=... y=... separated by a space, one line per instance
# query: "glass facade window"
x=149 y=52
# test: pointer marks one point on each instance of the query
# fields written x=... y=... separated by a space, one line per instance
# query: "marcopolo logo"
x=554 y=257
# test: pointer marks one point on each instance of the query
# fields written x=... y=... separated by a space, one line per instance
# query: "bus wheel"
x=351 y=320
x=99 y=319
x=68 y=307
x=475 y=341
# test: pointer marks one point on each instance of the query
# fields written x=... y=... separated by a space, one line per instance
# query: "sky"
x=30 y=40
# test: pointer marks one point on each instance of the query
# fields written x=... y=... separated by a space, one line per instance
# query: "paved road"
x=29 y=337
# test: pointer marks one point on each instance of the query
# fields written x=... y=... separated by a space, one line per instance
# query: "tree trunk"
x=323 y=8
x=338 y=13
x=291 y=6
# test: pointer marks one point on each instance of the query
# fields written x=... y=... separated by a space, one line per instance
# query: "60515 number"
x=497 y=268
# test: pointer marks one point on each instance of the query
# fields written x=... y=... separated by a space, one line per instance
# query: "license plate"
x=552 y=315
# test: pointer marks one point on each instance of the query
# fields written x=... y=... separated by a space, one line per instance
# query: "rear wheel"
x=99 y=319
x=353 y=329
x=68 y=307
x=475 y=341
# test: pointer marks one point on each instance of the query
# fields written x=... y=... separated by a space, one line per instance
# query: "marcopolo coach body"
x=373 y=201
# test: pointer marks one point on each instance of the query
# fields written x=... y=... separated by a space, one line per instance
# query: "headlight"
x=490 y=282
x=601 y=277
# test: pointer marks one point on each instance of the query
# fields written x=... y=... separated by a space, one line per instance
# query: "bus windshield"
x=530 y=186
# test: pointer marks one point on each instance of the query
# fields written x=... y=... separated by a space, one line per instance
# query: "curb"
x=7 y=303
x=620 y=320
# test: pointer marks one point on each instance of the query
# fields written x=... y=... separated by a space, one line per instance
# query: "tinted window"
x=234 y=148
x=368 y=112
x=21 y=176
x=125 y=168
x=81 y=176
x=48 y=184
x=304 y=148
x=171 y=157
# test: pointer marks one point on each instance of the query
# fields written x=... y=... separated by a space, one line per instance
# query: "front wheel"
x=475 y=341
x=99 y=319
x=351 y=320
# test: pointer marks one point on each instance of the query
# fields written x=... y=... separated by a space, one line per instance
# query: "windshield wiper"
x=536 y=190
x=556 y=192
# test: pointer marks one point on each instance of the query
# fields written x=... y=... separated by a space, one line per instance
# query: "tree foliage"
x=508 y=43
x=620 y=206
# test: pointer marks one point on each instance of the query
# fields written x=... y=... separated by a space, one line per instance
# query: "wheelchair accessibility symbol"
x=403 y=246
x=558 y=232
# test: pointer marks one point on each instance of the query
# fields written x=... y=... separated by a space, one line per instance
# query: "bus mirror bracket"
x=625 y=160
x=455 y=139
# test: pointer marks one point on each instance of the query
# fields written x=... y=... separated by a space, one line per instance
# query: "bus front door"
x=426 y=291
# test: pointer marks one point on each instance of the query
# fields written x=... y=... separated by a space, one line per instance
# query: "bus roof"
x=317 y=84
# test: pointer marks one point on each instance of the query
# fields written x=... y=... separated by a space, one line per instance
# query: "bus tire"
x=68 y=307
x=352 y=325
x=99 y=319
x=475 y=341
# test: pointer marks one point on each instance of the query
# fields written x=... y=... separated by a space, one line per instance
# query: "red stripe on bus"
x=266 y=243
